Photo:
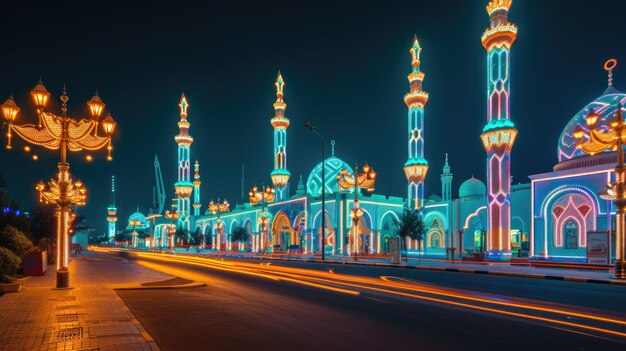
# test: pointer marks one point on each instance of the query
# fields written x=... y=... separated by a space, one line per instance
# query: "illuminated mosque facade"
x=546 y=218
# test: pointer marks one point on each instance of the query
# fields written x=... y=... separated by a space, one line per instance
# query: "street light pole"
x=311 y=127
x=63 y=133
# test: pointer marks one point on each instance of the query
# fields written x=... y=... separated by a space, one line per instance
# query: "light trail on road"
x=401 y=287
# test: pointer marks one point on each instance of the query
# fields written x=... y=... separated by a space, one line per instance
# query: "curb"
x=156 y=287
x=456 y=270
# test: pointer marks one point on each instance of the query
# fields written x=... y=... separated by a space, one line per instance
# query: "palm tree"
x=240 y=235
x=410 y=224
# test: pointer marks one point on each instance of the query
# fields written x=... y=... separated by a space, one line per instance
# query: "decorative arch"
x=568 y=207
x=436 y=235
x=281 y=237
x=232 y=226
x=475 y=214
x=428 y=219
x=569 y=188
x=384 y=216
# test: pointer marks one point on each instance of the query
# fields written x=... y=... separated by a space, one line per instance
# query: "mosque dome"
x=434 y=198
x=472 y=188
x=334 y=165
x=605 y=106
x=137 y=219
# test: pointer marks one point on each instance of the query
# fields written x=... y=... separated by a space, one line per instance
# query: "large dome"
x=137 y=221
x=334 y=165
x=472 y=188
x=605 y=106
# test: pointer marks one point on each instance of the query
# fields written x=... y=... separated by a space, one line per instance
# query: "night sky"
x=344 y=64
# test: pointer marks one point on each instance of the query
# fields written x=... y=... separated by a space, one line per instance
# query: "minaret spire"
x=280 y=174
x=112 y=212
x=184 y=187
x=446 y=182
x=196 y=189
x=416 y=166
x=499 y=133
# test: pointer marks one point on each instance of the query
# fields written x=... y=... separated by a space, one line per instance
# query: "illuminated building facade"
x=111 y=214
x=416 y=166
x=184 y=187
x=565 y=202
x=280 y=174
x=547 y=218
x=499 y=133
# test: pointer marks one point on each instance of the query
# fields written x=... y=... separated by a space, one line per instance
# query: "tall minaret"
x=416 y=166
x=499 y=133
x=280 y=174
x=196 y=189
x=184 y=186
x=446 y=182
x=112 y=212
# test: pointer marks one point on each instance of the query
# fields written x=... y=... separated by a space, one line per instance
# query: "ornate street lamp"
x=217 y=208
x=364 y=180
x=595 y=140
x=263 y=197
x=63 y=133
x=173 y=217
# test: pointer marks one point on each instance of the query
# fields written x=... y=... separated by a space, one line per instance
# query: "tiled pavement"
x=88 y=317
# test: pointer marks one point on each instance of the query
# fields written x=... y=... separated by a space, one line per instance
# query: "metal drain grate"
x=67 y=318
x=67 y=334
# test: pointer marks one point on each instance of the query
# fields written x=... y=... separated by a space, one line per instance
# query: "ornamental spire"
x=183 y=105
x=416 y=50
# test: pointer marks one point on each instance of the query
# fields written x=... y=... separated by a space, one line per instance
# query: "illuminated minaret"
x=112 y=212
x=499 y=133
x=184 y=186
x=196 y=189
x=280 y=174
x=416 y=166
x=446 y=182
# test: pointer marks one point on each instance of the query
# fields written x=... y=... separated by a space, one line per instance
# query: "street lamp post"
x=173 y=217
x=365 y=180
x=595 y=140
x=63 y=133
x=263 y=197
x=312 y=128
x=217 y=208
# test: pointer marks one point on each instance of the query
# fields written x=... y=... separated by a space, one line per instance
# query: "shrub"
x=15 y=240
x=9 y=264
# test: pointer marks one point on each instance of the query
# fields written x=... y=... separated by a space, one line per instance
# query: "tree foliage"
x=240 y=235
x=410 y=224
x=15 y=240
x=182 y=236
x=196 y=236
x=9 y=264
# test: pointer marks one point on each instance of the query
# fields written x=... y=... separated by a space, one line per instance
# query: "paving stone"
x=30 y=318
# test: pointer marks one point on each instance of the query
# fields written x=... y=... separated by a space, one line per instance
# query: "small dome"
x=334 y=165
x=434 y=198
x=472 y=188
x=605 y=106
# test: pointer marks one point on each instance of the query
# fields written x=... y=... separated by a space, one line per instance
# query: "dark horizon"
x=345 y=69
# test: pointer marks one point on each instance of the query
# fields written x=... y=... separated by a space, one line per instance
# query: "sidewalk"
x=88 y=317
x=496 y=268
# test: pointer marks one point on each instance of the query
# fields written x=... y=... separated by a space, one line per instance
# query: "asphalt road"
x=302 y=306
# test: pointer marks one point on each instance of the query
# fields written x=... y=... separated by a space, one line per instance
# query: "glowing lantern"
x=9 y=110
x=579 y=133
x=591 y=119
x=40 y=95
x=96 y=106
x=108 y=124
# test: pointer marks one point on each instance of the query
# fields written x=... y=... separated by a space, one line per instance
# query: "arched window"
x=570 y=234
x=435 y=239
